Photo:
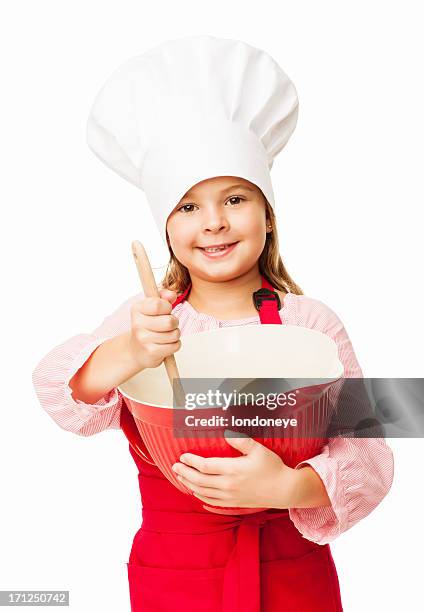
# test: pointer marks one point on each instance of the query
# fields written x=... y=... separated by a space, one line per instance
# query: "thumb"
x=242 y=443
x=167 y=294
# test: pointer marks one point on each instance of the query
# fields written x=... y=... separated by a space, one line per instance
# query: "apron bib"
x=187 y=559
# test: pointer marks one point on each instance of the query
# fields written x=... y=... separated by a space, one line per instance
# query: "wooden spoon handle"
x=145 y=271
x=150 y=289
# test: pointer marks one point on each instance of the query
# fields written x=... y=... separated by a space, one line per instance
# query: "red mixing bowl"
x=239 y=352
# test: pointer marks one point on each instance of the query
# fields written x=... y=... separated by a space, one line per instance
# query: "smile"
x=217 y=252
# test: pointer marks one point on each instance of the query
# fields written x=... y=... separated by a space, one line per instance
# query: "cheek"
x=181 y=236
x=255 y=233
x=253 y=227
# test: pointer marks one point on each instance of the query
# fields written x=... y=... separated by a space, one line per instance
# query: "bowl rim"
x=152 y=405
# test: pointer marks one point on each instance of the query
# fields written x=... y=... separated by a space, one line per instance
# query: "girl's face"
x=223 y=210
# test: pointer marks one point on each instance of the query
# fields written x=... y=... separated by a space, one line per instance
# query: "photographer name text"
x=221 y=421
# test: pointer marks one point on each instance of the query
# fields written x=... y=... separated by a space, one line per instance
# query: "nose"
x=214 y=220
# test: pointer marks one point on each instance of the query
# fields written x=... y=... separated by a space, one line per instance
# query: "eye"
x=184 y=206
x=234 y=198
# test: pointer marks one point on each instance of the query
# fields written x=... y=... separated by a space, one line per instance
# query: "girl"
x=214 y=207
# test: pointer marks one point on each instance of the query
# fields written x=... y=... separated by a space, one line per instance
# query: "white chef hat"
x=190 y=109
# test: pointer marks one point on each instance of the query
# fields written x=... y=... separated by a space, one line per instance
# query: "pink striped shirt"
x=357 y=472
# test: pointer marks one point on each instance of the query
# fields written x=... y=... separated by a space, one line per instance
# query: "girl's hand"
x=257 y=479
x=154 y=330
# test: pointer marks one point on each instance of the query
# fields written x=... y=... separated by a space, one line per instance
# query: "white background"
x=349 y=192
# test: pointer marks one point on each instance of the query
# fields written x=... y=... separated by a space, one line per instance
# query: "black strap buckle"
x=265 y=294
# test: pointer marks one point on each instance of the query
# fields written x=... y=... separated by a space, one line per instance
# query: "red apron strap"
x=182 y=297
x=266 y=284
x=267 y=302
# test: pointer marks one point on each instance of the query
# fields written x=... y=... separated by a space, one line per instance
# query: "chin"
x=225 y=274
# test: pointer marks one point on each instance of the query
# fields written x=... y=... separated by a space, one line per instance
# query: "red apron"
x=187 y=559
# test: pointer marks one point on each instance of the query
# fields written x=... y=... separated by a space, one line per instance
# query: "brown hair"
x=177 y=276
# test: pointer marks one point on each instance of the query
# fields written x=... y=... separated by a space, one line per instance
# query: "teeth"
x=214 y=249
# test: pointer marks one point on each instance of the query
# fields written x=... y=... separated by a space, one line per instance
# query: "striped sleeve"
x=356 y=472
x=52 y=374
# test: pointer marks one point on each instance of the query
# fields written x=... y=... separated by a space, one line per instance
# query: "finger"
x=210 y=465
x=152 y=306
x=164 y=337
x=206 y=491
x=213 y=501
x=167 y=349
x=157 y=323
x=242 y=443
x=198 y=478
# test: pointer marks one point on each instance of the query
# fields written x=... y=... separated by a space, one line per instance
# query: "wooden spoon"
x=150 y=289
